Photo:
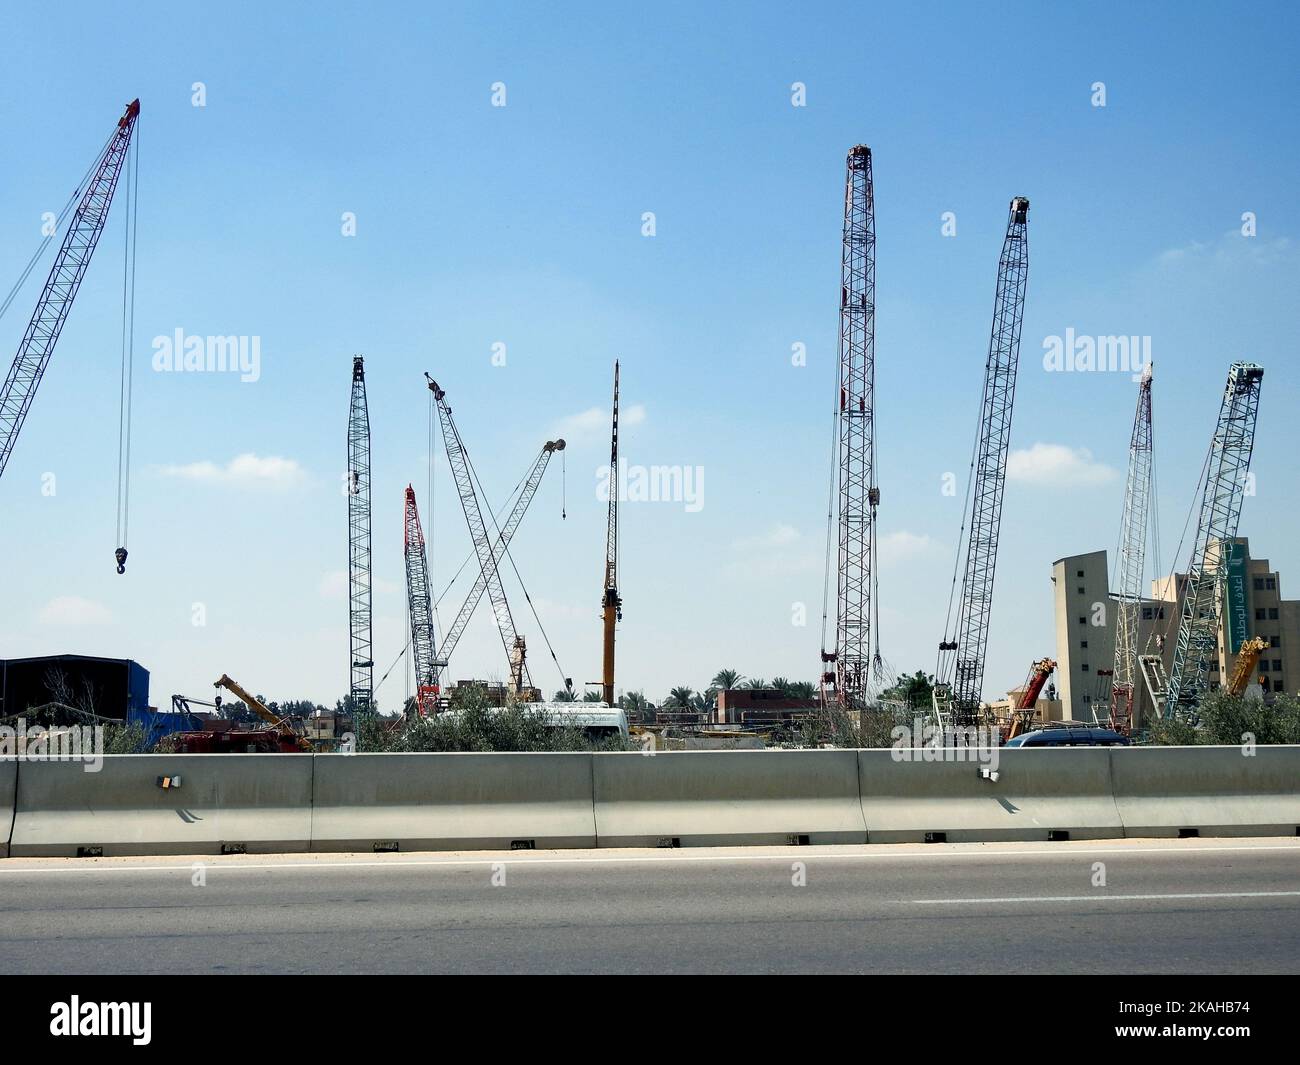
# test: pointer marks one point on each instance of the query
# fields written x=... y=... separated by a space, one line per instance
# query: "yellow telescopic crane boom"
x=1247 y=660
x=280 y=724
x=612 y=609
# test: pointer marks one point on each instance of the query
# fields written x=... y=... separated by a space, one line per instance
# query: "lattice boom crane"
x=960 y=671
x=1226 y=474
x=70 y=263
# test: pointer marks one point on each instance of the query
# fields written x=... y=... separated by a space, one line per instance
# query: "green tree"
x=726 y=679
x=680 y=697
x=565 y=696
x=592 y=696
x=755 y=684
x=637 y=706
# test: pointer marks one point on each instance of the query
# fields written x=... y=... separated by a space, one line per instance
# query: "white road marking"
x=232 y=863
x=1115 y=898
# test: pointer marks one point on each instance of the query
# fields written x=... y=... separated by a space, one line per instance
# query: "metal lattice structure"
x=961 y=658
x=611 y=601
x=360 y=657
x=1225 y=486
x=70 y=263
x=458 y=459
x=454 y=631
x=856 y=611
x=420 y=610
x=1132 y=560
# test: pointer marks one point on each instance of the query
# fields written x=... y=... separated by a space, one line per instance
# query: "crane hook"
x=120 y=555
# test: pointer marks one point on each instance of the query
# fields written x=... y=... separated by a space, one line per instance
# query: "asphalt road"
x=1194 y=906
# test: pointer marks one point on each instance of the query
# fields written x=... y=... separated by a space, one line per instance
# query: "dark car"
x=1070 y=737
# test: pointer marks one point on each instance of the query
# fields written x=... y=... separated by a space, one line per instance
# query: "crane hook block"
x=120 y=555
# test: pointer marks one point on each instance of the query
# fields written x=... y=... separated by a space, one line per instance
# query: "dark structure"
x=361 y=685
x=106 y=687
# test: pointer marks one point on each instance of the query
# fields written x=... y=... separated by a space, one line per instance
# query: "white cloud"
x=777 y=536
x=245 y=469
x=334 y=585
x=1057 y=465
x=595 y=421
x=74 y=610
x=902 y=546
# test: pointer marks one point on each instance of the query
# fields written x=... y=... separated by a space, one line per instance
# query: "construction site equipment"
x=1227 y=470
x=1247 y=660
x=502 y=543
x=960 y=667
x=420 y=610
x=1022 y=714
x=462 y=474
x=80 y=239
x=611 y=602
x=360 y=656
x=856 y=653
x=1132 y=556
x=288 y=739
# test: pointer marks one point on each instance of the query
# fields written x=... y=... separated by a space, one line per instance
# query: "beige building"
x=1249 y=604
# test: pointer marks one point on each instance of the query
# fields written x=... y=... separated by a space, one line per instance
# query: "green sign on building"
x=1236 y=604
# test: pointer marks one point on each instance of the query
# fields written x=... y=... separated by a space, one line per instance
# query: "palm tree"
x=680 y=697
x=592 y=697
x=803 y=689
x=636 y=705
x=565 y=696
x=726 y=679
x=705 y=701
x=754 y=684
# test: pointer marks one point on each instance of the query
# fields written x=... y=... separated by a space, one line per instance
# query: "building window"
x=1084 y=668
x=1277 y=684
x=1275 y=641
x=1263 y=665
x=1083 y=643
x=1082 y=592
x=1083 y=621
x=1271 y=584
x=1277 y=665
x=1087 y=698
x=1079 y=573
x=1160 y=614
x=1259 y=613
x=1259 y=584
x=1272 y=613
x=1147 y=613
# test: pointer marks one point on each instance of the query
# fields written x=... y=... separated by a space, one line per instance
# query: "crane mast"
x=1227 y=470
x=1132 y=559
x=961 y=659
x=70 y=263
x=857 y=613
x=359 y=586
x=458 y=459
x=420 y=609
x=454 y=631
x=612 y=602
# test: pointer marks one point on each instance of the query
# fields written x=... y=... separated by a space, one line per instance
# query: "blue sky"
x=521 y=225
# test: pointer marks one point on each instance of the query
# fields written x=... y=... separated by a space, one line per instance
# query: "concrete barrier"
x=364 y=802
x=1039 y=794
x=1208 y=791
x=225 y=802
x=8 y=787
x=723 y=798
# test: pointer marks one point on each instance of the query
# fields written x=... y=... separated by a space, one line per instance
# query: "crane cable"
x=73 y=201
x=128 y=342
x=474 y=474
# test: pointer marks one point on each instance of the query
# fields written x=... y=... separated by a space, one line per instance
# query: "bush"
x=1228 y=719
x=474 y=725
